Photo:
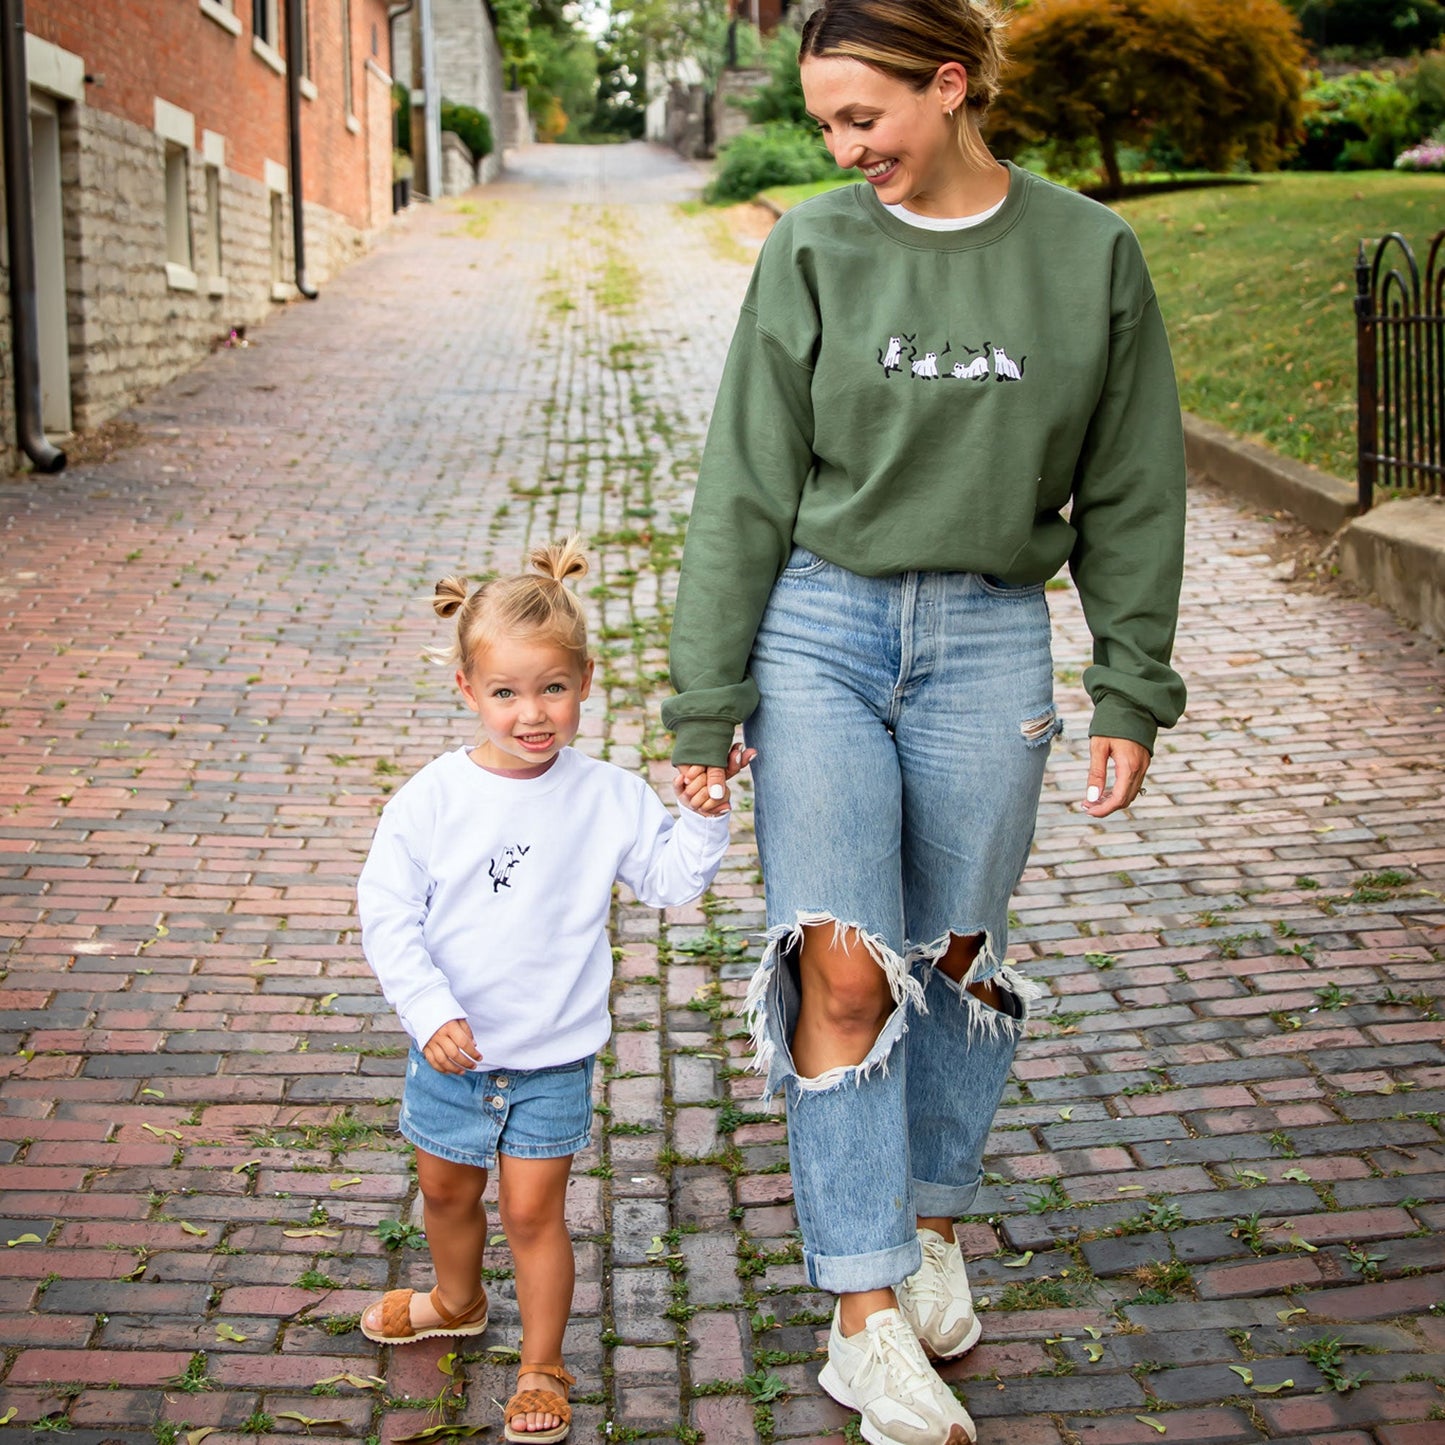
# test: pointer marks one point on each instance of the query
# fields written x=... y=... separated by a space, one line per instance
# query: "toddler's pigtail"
x=560 y=561
x=449 y=594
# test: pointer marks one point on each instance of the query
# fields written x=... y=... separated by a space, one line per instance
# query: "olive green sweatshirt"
x=997 y=399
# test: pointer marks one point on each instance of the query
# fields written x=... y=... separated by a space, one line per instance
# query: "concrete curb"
x=1322 y=502
x=1396 y=551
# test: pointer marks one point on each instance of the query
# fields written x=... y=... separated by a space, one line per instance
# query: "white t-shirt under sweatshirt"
x=486 y=897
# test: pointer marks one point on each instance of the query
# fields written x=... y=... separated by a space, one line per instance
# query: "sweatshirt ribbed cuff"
x=1115 y=717
x=703 y=741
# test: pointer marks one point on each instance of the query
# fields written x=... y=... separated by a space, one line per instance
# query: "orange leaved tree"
x=1219 y=80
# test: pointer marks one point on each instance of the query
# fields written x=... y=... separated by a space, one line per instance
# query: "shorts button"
x=502 y=1081
x=497 y=1101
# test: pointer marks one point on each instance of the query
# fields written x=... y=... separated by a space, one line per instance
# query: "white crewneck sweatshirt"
x=486 y=897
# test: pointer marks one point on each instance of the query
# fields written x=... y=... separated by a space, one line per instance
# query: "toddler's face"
x=528 y=696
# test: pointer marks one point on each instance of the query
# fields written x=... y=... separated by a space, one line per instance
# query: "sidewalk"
x=1222 y=1149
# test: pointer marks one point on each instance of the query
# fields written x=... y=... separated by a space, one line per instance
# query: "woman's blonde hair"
x=535 y=605
x=910 y=39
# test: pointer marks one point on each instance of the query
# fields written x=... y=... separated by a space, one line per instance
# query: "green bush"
x=1425 y=86
x=1355 y=122
x=1371 y=27
x=780 y=97
x=470 y=126
x=773 y=155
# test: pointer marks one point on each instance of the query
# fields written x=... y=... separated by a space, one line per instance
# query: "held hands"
x=452 y=1049
x=704 y=790
x=1130 y=763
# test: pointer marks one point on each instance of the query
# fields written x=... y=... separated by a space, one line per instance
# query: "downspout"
x=295 y=43
x=20 y=228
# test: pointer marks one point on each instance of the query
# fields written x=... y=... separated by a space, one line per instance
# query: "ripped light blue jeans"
x=902 y=734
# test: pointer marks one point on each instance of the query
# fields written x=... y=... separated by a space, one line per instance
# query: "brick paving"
x=1222 y=1150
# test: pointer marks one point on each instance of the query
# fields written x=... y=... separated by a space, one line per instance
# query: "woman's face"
x=900 y=138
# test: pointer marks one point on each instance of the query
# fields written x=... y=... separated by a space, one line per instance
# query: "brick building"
x=162 y=205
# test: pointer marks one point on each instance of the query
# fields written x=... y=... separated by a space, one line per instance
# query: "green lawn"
x=1257 y=287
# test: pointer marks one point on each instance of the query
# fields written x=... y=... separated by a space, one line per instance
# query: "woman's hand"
x=452 y=1049
x=704 y=790
x=1130 y=762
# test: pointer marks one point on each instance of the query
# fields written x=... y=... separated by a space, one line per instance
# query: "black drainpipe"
x=20 y=227
x=295 y=43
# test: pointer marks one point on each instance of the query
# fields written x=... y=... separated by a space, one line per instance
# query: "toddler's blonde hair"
x=535 y=605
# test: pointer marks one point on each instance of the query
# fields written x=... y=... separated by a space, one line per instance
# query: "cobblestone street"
x=1216 y=1186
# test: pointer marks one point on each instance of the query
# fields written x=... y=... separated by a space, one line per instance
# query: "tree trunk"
x=1109 y=159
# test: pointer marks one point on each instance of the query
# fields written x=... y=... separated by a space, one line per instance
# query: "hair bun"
x=560 y=560
x=450 y=593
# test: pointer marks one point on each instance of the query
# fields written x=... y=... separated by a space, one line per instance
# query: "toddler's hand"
x=452 y=1049
x=704 y=790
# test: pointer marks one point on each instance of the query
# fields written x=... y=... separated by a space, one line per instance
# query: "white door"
x=50 y=264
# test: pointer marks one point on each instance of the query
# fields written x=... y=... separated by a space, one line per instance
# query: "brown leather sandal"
x=396 y=1327
x=540 y=1402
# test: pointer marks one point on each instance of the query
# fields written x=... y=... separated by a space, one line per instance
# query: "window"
x=213 y=226
x=223 y=12
x=348 y=100
x=278 y=248
x=263 y=21
x=179 y=268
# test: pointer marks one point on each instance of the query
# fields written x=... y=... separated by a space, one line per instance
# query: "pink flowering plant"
x=1429 y=155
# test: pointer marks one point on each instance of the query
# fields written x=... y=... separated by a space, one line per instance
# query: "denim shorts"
x=902 y=731
x=471 y=1118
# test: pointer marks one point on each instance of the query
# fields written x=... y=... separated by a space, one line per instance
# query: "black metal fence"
x=1400 y=361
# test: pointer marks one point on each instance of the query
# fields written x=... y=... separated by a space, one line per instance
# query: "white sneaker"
x=883 y=1373
x=937 y=1302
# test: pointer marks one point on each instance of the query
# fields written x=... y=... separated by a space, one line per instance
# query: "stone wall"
x=130 y=328
x=469 y=66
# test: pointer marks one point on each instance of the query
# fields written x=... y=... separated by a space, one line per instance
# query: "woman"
x=946 y=381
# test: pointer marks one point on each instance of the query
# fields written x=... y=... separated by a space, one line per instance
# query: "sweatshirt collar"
x=500 y=785
x=967 y=239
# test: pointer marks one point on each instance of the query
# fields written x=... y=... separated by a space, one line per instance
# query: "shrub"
x=1354 y=122
x=774 y=155
x=1424 y=84
x=781 y=95
x=1427 y=156
x=470 y=126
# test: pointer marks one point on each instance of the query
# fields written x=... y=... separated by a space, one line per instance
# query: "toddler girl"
x=484 y=904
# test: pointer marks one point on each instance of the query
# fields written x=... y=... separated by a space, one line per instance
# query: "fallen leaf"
x=1095 y=1353
x=345 y=1183
x=1093 y=1332
x=1128 y=1189
x=194 y=1229
x=1298 y=1175
x=360 y=1382
x=242 y=1168
x=308 y=1420
x=135 y=1274
x=1300 y=1242
x=441 y=1432
x=328 y=998
x=312 y=1233
x=1274 y=1389
x=9 y=1415
x=1151 y=1422
x=152 y=1094
x=1244 y=1373
x=1020 y=1262
x=1060 y=1339
x=161 y=932
x=23 y=1239
x=1285 y=1316
x=227 y=1332
x=262 y=962
x=194 y=1437
x=1252 y=1174
x=1067 y=1114
x=448 y=1363
x=497 y=1239
x=163 y=1133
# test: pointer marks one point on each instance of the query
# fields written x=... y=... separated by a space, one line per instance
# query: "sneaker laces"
x=930 y=1283
x=897 y=1348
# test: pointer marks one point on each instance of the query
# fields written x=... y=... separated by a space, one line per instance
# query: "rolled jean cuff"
x=853 y=1273
x=943 y=1201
